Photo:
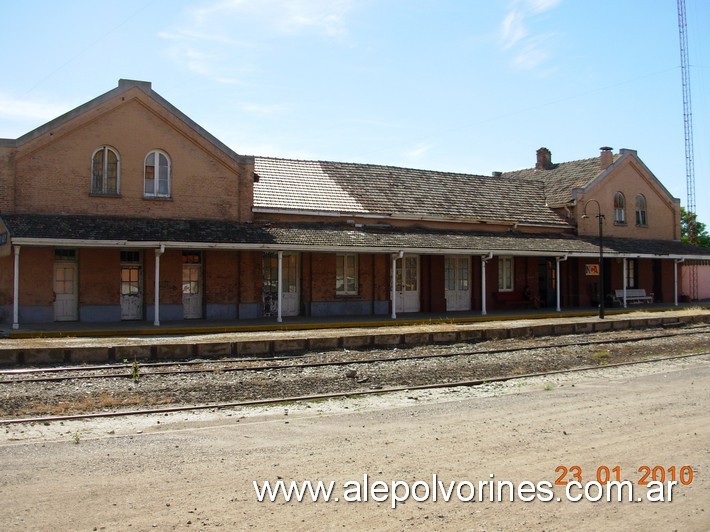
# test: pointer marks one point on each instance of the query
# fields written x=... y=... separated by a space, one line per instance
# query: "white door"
x=291 y=296
x=192 y=291
x=290 y=293
x=408 y=284
x=457 y=283
x=131 y=292
x=65 y=291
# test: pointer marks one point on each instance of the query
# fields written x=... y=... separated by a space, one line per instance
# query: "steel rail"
x=239 y=360
x=340 y=395
x=125 y=365
x=349 y=362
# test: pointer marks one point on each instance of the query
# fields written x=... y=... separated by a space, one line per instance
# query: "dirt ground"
x=195 y=471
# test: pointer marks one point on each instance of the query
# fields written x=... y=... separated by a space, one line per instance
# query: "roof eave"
x=408 y=217
x=127 y=244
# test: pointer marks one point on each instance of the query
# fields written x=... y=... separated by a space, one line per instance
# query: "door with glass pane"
x=290 y=293
x=191 y=285
x=66 y=291
x=408 y=284
x=457 y=283
x=131 y=286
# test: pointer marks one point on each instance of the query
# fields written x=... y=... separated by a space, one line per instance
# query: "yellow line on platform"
x=220 y=329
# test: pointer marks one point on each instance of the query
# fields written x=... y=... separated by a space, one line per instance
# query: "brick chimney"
x=544 y=159
x=606 y=158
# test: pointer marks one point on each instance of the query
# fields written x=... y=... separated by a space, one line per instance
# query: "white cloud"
x=539 y=6
x=191 y=34
x=418 y=152
x=513 y=28
x=226 y=81
x=222 y=39
x=533 y=53
x=263 y=109
x=530 y=49
x=193 y=59
x=29 y=110
x=284 y=16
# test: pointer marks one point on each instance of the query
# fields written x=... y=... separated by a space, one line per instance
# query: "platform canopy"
x=128 y=232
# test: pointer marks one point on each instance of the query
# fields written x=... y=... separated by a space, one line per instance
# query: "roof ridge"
x=375 y=165
x=123 y=87
x=532 y=168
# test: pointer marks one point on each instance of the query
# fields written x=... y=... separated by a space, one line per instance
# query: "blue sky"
x=467 y=86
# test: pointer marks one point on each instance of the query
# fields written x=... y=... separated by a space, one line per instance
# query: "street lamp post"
x=600 y=217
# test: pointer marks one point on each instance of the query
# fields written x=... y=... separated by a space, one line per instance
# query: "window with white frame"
x=619 y=208
x=130 y=273
x=105 y=171
x=346 y=274
x=450 y=273
x=640 y=210
x=157 y=175
x=505 y=274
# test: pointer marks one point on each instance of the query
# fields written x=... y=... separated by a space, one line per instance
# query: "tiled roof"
x=114 y=228
x=369 y=189
x=319 y=236
x=559 y=181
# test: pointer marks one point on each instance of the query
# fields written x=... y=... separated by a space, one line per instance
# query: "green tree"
x=703 y=236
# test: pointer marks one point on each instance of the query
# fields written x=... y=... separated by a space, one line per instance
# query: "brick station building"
x=126 y=209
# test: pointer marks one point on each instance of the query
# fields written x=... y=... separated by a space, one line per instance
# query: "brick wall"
x=53 y=171
x=383 y=276
x=7 y=179
x=631 y=179
x=170 y=277
x=323 y=272
x=99 y=276
x=36 y=276
x=221 y=274
x=366 y=279
x=251 y=266
x=6 y=274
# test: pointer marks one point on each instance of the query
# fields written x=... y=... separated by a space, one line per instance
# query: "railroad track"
x=354 y=393
x=157 y=369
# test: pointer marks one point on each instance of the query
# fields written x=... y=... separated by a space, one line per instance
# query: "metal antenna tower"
x=688 y=126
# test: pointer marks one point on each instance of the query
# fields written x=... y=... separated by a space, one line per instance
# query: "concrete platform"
x=97 y=343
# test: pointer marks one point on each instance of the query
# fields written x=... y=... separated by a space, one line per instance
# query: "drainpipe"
x=484 y=260
x=279 y=284
x=675 y=279
x=557 y=277
x=16 y=291
x=158 y=253
x=394 y=282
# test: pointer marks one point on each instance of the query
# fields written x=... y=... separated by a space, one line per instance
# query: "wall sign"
x=591 y=269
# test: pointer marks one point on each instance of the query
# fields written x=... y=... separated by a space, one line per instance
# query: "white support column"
x=675 y=280
x=557 y=279
x=279 y=288
x=394 y=287
x=626 y=273
x=156 y=303
x=484 y=260
x=16 y=291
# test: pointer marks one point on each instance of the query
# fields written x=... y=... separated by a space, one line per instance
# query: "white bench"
x=633 y=296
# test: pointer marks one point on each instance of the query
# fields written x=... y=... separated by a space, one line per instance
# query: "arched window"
x=640 y=210
x=619 y=208
x=157 y=175
x=105 y=171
